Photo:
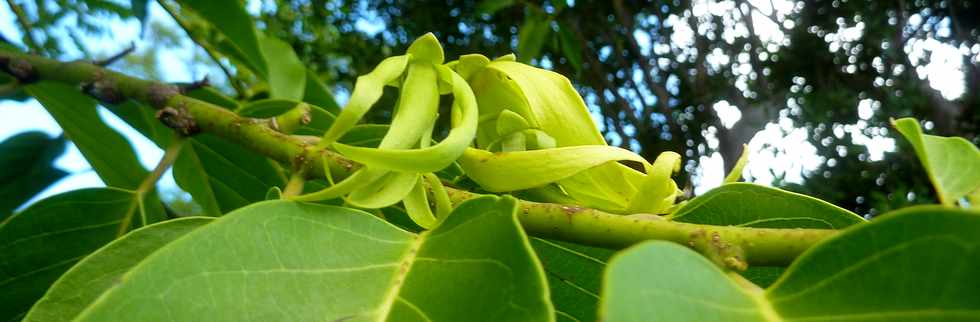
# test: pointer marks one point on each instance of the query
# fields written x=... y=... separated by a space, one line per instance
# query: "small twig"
x=148 y=183
x=20 y=69
x=25 y=24
x=116 y=57
x=198 y=84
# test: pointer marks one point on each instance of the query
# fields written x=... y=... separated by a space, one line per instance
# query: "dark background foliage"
x=655 y=86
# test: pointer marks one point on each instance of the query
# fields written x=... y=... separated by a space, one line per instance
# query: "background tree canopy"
x=809 y=85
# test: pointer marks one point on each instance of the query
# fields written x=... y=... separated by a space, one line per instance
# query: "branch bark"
x=762 y=246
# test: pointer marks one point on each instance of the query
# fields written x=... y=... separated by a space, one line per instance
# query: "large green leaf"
x=534 y=32
x=574 y=277
x=286 y=74
x=108 y=152
x=282 y=260
x=662 y=281
x=571 y=47
x=230 y=17
x=752 y=205
x=953 y=163
x=139 y=9
x=44 y=240
x=91 y=277
x=27 y=167
x=222 y=176
x=916 y=264
x=318 y=94
x=267 y=108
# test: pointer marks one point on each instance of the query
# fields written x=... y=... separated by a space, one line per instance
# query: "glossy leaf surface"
x=916 y=264
x=281 y=260
x=106 y=150
x=91 y=277
x=230 y=17
x=222 y=176
x=27 y=167
x=574 y=277
x=287 y=75
x=953 y=163
x=44 y=240
x=752 y=205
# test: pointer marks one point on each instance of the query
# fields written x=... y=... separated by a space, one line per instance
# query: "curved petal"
x=658 y=191
x=367 y=91
x=383 y=192
x=428 y=159
x=509 y=171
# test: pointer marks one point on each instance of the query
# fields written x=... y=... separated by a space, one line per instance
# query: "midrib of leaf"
x=566 y=249
x=398 y=279
x=127 y=220
x=211 y=208
x=572 y=284
x=766 y=220
x=229 y=164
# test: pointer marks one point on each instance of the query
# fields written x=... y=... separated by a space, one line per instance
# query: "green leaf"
x=286 y=74
x=491 y=6
x=139 y=9
x=532 y=36
x=953 y=163
x=662 y=281
x=298 y=266
x=213 y=96
x=752 y=205
x=574 y=277
x=510 y=171
x=222 y=176
x=143 y=119
x=267 y=108
x=318 y=94
x=570 y=46
x=920 y=263
x=44 y=240
x=81 y=285
x=230 y=17
x=27 y=167
x=108 y=152
x=916 y=264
